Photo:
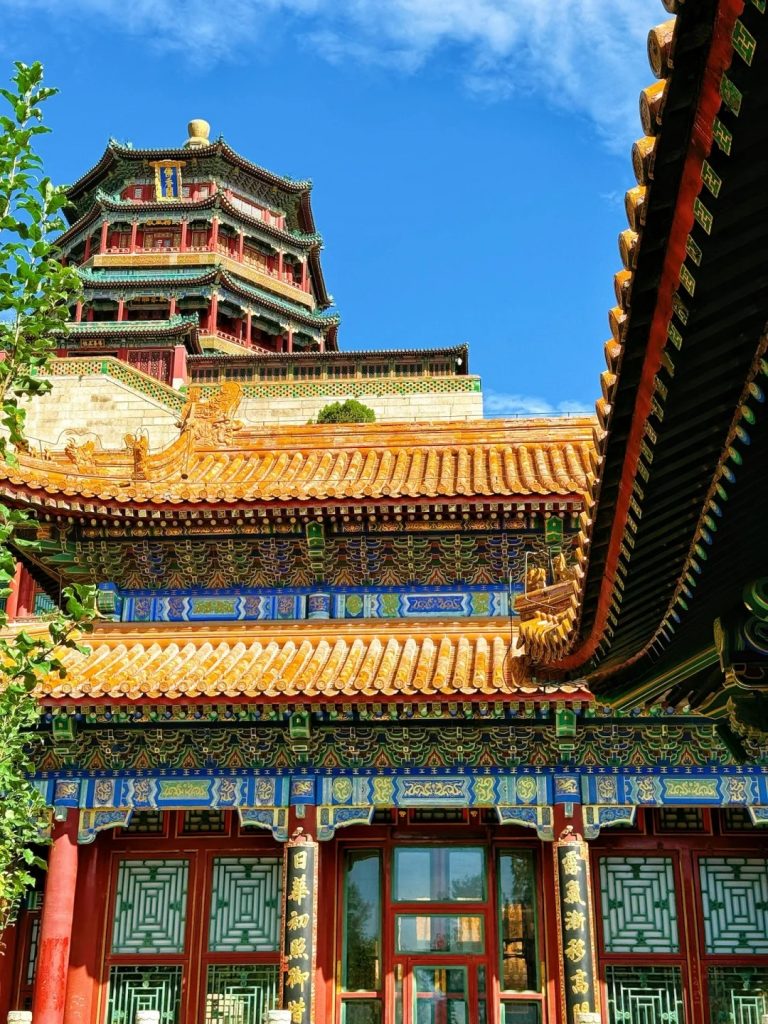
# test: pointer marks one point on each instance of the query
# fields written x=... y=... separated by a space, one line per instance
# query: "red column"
x=12 y=601
x=8 y=942
x=78 y=312
x=179 y=367
x=214 y=239
x=103 y=240
x=304 y=277
x=87 y=250
x=121 y=309
x=134 y=232
x=280 y=265
x=85 y=951
x=26 y=595
x=56 y=923
x=172 y=306
x=89 y=314
x=183 y=237
x=290 y=339
x=321 y=345
x=213 y=314
x=248 y=319
x=240 y=245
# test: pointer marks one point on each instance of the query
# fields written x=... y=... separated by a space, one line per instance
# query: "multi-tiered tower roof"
x=195 y=247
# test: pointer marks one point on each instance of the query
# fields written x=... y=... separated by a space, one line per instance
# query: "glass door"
x=440 y=993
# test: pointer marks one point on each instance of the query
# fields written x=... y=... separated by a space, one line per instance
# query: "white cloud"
x=585 y=56
x=498 y=403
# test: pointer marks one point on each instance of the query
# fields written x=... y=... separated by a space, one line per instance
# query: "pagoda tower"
x=193 y=250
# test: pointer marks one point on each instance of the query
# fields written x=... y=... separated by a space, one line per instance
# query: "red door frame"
x=494 y=840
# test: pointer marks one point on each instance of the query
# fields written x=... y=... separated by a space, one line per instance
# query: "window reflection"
x=439 y=874
x=517 y=913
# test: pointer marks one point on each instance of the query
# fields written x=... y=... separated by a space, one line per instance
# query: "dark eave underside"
x=727 y=318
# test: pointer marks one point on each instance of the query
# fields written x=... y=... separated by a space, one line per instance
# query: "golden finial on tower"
x=199 y=132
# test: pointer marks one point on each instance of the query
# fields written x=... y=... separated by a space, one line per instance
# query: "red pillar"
x=290 y=339
x=103 y=240
x=12 y=601
x=248 y=319
x=214 y=239
x=280 y=265
x=240 y=245
x=26 y=598
x=85 y=952
x=213 y=314
x=179 y=367
x=56 y=923
x=172 y=306
x=304 y=277
x=183 y=237
x=134 y=232
x=89 y=314
x=121 y=309
x=8 y=955
x=78 y=312
x=87 y=250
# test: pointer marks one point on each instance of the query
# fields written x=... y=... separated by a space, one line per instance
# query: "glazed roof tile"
x=476 y=460
x=277 y=661
x=116 y=150
x=106 y=278
x=178 y=324
x=116 y=204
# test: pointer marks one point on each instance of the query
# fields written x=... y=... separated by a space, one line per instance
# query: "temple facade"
x=429 y=720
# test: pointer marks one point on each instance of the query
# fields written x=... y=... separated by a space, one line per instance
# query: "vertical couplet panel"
x=300 y=923
x=575 y=915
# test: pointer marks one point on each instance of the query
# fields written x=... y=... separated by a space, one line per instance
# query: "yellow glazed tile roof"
x=301 y=661
x=476 y=459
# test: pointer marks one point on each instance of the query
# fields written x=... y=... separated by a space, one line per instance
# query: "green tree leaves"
x=36 y=291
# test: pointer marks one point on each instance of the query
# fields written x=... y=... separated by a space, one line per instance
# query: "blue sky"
x=469 y=157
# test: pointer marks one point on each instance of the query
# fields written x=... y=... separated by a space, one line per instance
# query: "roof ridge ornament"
x=199 y=134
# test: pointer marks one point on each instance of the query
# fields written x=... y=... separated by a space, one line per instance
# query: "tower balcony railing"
x=250 y=267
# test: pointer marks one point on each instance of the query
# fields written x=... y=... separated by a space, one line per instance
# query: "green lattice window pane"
x=644 y=995
x=150 y=906
x=738 y=995
x=734 y=893
x=138 y=988
x=240 y=993
x=638 y=905
x=245 y=905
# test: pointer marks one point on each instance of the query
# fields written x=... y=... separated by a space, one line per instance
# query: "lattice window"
x=34 y=941
x=146 y=822
x=737 y=995
x=680 y=819
x=240 y=993
x=638 y=905
x=203 y=821
x=245 y=905
x=644 y=995
x=143 y=988
x=736 y=819
x=150 y=906
x=734 y=893
x=441 y=815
